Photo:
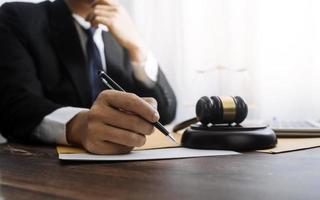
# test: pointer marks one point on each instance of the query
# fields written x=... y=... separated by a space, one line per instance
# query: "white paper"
x=152 y=154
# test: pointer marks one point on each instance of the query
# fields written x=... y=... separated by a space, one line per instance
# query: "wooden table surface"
x=28 y=172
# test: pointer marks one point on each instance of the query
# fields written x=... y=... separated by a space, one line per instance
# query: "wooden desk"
x=36 y=173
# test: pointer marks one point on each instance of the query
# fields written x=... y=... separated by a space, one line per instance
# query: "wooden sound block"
x=238 y=138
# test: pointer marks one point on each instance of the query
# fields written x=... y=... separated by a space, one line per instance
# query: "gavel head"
x=221 y=110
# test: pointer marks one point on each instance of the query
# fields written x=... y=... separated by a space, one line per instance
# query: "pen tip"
x=172 y=138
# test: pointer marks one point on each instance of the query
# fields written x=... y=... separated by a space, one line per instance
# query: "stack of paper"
x=157 y=147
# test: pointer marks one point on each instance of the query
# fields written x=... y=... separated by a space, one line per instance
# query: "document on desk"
x=151 y=154
x=293 y=144
x=157 y=147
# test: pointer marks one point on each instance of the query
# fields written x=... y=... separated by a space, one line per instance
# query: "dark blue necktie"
x=94 y=64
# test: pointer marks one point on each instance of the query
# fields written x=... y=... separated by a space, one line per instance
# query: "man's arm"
x=116 y=123
x=53 y=127
x=111 y=14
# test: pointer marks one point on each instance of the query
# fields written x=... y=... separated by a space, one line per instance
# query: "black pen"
x=111 y=84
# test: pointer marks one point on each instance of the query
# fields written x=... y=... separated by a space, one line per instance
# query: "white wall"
x=265 y=50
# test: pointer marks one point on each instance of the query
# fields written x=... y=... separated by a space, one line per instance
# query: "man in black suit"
x=49 y=55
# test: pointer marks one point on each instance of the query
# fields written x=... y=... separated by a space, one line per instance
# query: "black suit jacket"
x=42 y=68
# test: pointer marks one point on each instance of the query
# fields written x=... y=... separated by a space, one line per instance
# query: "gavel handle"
x=184 y=124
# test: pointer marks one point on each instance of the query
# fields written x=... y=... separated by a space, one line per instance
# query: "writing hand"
x=115 y=124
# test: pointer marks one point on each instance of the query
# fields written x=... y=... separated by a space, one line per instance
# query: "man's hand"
x=117 y=19
x=116 y=123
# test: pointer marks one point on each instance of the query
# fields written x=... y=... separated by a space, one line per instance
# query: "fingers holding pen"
x=104 y=147
x=118 y=122
x=115 y=124
x=120 y=119
x=129 y=102
x=118 y=136
x=152 y=101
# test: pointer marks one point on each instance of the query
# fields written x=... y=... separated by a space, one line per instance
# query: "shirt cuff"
x=147 y=72
x=52 y=129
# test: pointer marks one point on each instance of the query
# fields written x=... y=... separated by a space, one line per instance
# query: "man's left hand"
x=111 y=14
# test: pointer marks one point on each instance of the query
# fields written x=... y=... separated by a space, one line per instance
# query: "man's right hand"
x=116 y=123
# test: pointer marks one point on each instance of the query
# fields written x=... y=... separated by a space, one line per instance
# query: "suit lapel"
x=118 y=63
x=66 y=41
x=113 y=52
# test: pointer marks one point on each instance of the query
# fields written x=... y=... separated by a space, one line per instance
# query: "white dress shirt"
x=52 y=128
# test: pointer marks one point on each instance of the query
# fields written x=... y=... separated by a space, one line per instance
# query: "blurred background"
x=267 y=51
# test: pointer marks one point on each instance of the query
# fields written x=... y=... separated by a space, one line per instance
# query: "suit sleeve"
x=167 y=100
x=121 y=70
x=163 y=93
x=148 y=74
x=22 y=102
